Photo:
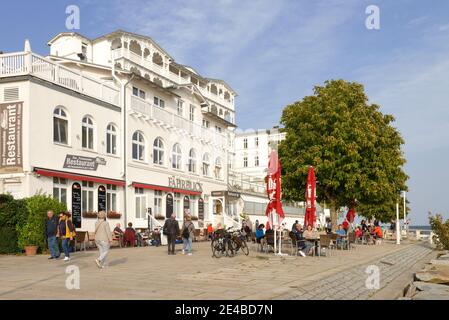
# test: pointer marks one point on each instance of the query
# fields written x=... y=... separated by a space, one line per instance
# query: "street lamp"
x=405 y=212
x=398 y=229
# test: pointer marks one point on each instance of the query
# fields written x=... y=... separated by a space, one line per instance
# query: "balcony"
x=28 y=63
x=171 y=120
x=244 y=183
x=149 y=65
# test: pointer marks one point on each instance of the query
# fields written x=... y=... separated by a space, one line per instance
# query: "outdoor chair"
x=351 y=240
x=295 y=244
x=81 y=239
x=269 y=241
x=117 y=239
x=91 y=240
x=326 y=244
x=196 y=235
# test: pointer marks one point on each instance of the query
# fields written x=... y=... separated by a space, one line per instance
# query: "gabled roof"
x=223 y=83
x=68 y=34
x=121 y=32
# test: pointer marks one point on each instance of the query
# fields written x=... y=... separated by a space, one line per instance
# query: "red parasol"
x=350 y=215
x=274 y=187
x=310 y=215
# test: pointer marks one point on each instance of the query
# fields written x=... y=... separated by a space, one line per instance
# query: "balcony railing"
x=157 y=69
x=241 y=182
x=170 y=119
x=24 y=63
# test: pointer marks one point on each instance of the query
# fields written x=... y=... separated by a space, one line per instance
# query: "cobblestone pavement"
x=148 y=273
x=351 y=284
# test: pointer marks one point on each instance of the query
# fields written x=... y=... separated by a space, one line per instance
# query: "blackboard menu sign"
x=169 y=205
x=76 y=204
x=186 y=202
x=200 y=209
x=101 y=198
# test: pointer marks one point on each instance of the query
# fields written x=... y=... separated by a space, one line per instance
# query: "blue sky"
x=273 y=53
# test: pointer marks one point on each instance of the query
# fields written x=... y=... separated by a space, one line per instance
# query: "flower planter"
x=114 y=215
x=30 y=250
x=91 y=215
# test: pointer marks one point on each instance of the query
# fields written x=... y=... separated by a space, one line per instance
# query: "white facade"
x=252 y=149
x=154 y=129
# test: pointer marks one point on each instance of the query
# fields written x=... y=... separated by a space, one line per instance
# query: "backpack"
x=165 y=228
x=186 y=232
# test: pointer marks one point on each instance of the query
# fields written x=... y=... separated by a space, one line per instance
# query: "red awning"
x=78 y=177
x=151 y=186
x=167 y=189
x=188 y=192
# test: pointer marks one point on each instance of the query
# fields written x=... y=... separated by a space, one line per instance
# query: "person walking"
x=187 y=235
x=51 y=230
x=103 y=239
x=66 y=232
x=171 y=230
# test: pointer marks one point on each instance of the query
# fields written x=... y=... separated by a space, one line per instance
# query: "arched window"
x=192 y=161
x=87 y=133
x=158 y=151
x=138 y=146
x=176 y=156
x=213 y=89
x=206 y=164
x=218 y=167
x=111 y=139
x=60 y=126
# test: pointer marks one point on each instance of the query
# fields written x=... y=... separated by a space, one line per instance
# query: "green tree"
x=354 y=148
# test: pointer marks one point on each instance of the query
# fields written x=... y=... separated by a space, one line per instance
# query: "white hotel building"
x=115 y=123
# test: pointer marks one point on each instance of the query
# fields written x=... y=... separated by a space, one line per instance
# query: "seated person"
x=310 y=233
x=156 y=237
x=358 y=233
x=341 y=233
x=260 y=233
x=377 y=233
x=303 y=245
x=130 y=236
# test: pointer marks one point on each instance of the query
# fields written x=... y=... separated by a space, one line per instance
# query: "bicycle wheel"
x=231 y=249
x=244 y=248
x=217 y=249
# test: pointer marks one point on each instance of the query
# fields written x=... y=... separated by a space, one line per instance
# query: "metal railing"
x=173 y=120
x=23 y=63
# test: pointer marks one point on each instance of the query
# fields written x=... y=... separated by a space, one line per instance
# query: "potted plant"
x=31 y=235
x=114 y=215
x=159 y=217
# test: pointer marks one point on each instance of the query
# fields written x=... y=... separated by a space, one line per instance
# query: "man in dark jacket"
x=171 y=230
x=51 y=230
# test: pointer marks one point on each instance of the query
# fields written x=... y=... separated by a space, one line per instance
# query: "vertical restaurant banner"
x=169 y=205
x=11 y=158
x=101 y=198
x=200 y=209
x=76 y=204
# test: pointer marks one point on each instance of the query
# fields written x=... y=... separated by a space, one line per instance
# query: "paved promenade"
x=148 y=273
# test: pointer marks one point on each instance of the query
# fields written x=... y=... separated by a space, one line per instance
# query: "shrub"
x=13 y=213
x=441 y=231
x=8 y=240
x=33 y=231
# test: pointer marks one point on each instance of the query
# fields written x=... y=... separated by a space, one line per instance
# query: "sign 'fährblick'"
x=11 y=137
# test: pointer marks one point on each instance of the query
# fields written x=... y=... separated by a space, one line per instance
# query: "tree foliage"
x=354 y=148
x=441 y=230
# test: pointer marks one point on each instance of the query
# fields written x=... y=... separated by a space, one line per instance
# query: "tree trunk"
x=333 y=217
